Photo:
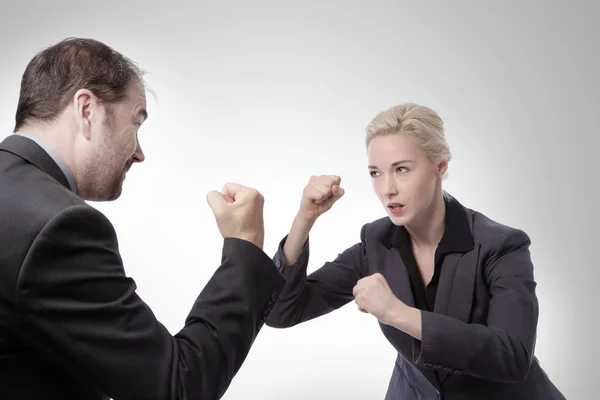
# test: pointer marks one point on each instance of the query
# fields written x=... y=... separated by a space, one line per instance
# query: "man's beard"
x=105 y=177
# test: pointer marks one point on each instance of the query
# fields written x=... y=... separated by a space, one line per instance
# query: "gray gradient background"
x=268 y=93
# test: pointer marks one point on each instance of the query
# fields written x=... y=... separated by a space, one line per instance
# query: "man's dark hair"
x=56 y=73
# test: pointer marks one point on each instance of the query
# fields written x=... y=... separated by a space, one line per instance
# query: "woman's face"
x=403 y=177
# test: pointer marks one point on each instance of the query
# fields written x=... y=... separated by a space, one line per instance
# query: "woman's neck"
x=428 y=231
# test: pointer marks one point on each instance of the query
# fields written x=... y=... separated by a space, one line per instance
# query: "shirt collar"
x=57 y=159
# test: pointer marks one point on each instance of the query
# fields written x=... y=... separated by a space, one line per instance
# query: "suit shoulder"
x=496 y=238
x=375 y=229
x=487 y=230
x=31 y=203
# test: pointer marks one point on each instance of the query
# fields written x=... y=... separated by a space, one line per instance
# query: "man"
x=71 y=323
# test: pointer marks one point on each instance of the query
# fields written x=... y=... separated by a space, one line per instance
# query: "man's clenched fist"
x=239 y=212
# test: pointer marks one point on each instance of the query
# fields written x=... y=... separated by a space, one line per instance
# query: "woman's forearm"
x=297 y=238
x=407 y=319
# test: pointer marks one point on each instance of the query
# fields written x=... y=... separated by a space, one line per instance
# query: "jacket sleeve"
x=76 y=305
x=503 y=349
x=326 y=289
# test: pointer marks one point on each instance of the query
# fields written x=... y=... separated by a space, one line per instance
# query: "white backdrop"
x=267 y=93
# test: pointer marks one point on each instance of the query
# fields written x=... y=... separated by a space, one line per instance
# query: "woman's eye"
x=402 y=170
x=373 y=173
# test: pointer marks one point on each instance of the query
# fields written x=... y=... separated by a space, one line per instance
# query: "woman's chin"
x=398 y=219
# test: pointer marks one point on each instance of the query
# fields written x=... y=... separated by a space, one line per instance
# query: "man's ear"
x=86 y=111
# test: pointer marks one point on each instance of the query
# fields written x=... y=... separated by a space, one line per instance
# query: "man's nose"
x=139 y=155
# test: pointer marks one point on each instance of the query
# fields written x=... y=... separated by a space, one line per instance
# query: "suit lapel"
x=28 y=150
x=392 y=267
x=455 y=291
x=457 y=282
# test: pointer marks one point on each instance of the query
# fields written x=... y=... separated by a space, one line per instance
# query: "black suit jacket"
x=71 y=323
x=477 y=343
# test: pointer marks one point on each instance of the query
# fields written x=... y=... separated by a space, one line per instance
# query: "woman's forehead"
x=392 y=148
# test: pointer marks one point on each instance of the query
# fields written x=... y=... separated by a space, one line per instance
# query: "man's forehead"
x=137 y=98
x=141 y=100
x=138 y=93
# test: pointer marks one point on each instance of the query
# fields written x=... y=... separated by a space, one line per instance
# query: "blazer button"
x=278 y=263
x=427 y=365
x=437 y=366
x=446 y=369
x=273 y=296
x=457 y=371
x=270 y=305
x=265 y=314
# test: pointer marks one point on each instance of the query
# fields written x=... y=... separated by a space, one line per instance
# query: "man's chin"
x=110 y=195
x=104 y=198
x=115 y=194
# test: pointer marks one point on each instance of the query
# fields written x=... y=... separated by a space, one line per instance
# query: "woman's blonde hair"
x=418 y=122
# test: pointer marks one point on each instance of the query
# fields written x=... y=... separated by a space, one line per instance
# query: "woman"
x=453 y=291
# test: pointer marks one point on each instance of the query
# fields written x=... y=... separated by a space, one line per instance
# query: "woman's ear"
x=442 y=168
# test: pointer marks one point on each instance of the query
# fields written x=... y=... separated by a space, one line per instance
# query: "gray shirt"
x=59 y=161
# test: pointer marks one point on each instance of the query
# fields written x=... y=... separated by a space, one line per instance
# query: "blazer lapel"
x=454 y=297
x=29 y=151
x=391 y=266
x=455 y=292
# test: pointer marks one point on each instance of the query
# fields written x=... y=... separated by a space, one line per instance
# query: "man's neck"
x=53 y=138
x=53 y=142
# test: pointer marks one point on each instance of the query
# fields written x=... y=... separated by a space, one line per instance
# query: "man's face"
x=118 y=147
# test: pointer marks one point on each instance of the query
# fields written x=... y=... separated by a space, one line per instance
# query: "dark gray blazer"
x=71 y=324
x=479 y=341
